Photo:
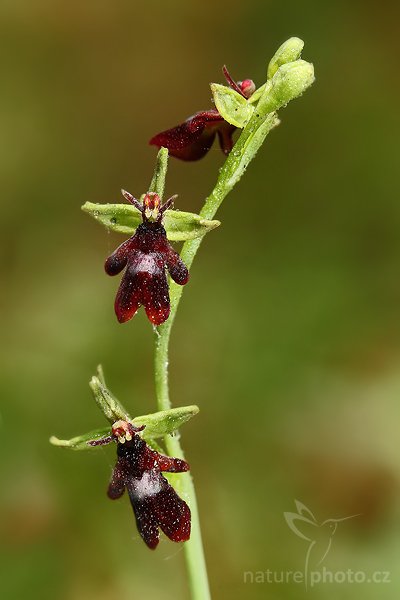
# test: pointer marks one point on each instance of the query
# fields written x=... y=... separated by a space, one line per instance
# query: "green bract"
x=233 y=107
x=124 y=218
x=108 y=404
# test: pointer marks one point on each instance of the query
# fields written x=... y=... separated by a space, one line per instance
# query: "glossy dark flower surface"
x=192 y=139
x=145 y=257
x=139 y=469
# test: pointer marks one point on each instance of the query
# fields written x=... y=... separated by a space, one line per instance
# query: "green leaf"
x=235 y=109
x=124 y=218
x=80 y=442
x=288 y=52
x=165 y=422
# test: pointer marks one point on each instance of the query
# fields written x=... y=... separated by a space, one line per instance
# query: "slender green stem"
x=193 y=548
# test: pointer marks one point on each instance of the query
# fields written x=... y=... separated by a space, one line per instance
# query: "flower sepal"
x=232 y=106
x=111 y=408
x=164 y=422
x=81 y=442
x=126 y=218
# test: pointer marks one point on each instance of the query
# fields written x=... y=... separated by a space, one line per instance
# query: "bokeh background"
x=288 y=336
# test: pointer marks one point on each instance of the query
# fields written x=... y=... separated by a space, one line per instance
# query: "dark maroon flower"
x=155 y=503
x=192 y=139
x=146 y=256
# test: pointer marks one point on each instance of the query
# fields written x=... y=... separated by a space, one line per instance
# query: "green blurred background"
x=288 y=336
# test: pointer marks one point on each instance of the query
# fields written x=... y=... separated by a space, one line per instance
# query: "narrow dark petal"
x=155 y=296
x=101 y=441
x=172 y=514
x=231 y=82
x=176 y=267
x=128 y=298
x=170 y=464
x=153 y=459
x=168 y=204
x=192 y=139
x=128 y=196
x=117 y=484
x=118 y=259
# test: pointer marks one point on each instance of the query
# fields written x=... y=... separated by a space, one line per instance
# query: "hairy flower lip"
x=145 y=257
x=139 y=468
x=155 y=503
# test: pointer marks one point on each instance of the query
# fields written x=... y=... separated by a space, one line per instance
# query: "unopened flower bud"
x=287 y=52
x=247 y=87
x=289 y=82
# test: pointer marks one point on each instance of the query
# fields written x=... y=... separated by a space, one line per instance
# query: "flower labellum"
x=192 y=139
x=146 y=256
x=155 y=503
